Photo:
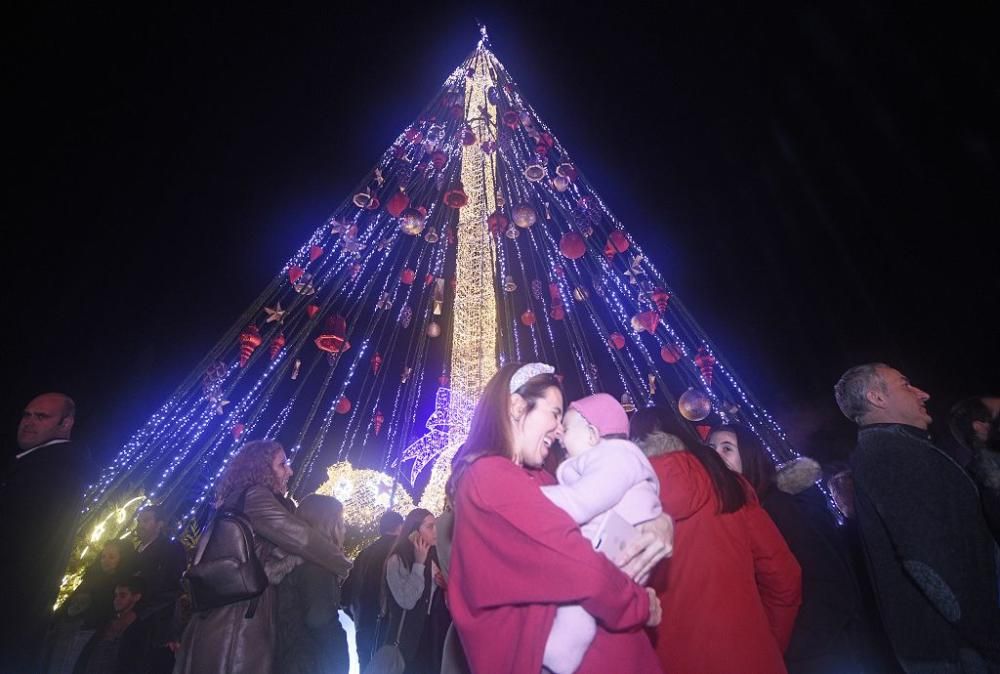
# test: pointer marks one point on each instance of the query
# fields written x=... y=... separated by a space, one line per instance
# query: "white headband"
x=526 y=372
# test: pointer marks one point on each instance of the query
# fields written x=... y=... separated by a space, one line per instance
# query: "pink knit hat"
x=602 y=412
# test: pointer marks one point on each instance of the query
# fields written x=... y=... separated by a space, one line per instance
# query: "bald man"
x=40 y=497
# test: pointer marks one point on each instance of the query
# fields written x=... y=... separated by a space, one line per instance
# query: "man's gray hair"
x=852 y=390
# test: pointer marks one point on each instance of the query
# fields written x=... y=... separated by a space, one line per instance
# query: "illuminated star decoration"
x=275 y=314
x=635 y=270
x=218 y=404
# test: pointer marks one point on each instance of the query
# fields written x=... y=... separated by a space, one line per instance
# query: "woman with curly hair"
x=233 y=638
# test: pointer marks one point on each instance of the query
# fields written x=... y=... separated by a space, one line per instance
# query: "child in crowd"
x=604 y=472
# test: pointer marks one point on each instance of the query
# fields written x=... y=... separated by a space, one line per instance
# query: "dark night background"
x=819 y=185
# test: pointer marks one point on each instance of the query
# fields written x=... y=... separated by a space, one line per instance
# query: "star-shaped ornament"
x=275 y=313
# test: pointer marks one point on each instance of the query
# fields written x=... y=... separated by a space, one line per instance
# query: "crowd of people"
x=574 y=539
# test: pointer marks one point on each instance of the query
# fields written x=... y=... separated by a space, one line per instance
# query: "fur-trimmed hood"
x=797 y=475
x=658 y=442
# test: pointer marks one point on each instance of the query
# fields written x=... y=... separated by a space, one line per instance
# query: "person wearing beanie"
x=604 y=473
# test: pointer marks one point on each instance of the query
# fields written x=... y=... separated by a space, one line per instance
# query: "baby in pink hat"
x=604 y=472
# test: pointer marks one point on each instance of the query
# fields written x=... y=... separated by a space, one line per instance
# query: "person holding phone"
x=415 y=602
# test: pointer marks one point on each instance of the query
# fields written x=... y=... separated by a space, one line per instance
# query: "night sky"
x=821 y=187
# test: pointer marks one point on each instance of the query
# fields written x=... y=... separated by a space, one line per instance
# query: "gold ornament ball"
x=524 y=216
x=694 y=405
x=411 y=221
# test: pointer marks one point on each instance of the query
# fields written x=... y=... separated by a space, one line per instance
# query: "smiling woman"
x=516 y=556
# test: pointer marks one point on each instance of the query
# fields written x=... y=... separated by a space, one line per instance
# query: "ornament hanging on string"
x=439 y=159
x=384 y=302
x=706 y=363
x=406 y=316
x=580 y=294
x=363 y=199
x=497 y=222
x=566 y=170
x=670 y=353
x=535 y=172
x=444 y=381
x=572 y=245
x=509 y=285
x=314 y=253
x=397 y=203
x=646 y=321
x=295 y=273
x=536 y=289
x=557 y=312
x=560 y=183
x=411 y=221
x=213 y=377
x=376 y=362
x=237 y=431
x=524 y=216
x=627 y=404
x=343 y=405
x=377 y=422
x=438 y=302
x=431 y=236
x=635 y=270
x=617 y=340
x=277 y=344
x=703 y=431
x=275 y=314
x=617 y=243
x=249 y=340
x=433 y=329
x=512 y=232
x=651 y=378
x=332 y=339
x=405 y=376
x=407 y=276
x=295 y=369
x=311 y=311
x=456 y=197
x=694 y=405
x=218 y=404
x=528 y=318
x=355 y=270
x=659 y=298
x=303 y=285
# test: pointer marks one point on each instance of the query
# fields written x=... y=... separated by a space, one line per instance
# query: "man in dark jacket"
x=361 y=594
x=932 y=559
x=40 y=495
x=160 y=562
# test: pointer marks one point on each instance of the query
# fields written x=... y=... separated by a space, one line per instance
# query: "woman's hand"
x=655 y=610
x=420 y=549
x=655 y=541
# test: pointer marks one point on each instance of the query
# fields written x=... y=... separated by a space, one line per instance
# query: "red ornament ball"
x=616 y=340
x=572 y=245
x=670 y=353
x=343 y=405
x=407 y=276
x=528 y=318
x=618 y=241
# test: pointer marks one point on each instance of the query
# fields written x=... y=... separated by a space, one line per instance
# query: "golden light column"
x=474 y=317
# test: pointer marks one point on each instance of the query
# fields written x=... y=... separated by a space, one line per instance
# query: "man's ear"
x=875 y=398
x=518 y=406
x=67 y=423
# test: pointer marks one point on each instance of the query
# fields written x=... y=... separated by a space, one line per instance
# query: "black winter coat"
x=931 y=558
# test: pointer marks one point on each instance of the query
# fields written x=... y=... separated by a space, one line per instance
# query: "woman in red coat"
x=516 y=556
x=732 y=588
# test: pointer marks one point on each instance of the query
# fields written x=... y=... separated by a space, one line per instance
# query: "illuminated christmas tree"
x=474 y=240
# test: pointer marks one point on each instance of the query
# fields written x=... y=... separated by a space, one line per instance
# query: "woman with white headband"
x=516 y=556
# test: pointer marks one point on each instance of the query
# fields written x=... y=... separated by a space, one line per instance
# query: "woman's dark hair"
x=758 y=469
x=489 y=430
x=403 y=545
x=729 y=487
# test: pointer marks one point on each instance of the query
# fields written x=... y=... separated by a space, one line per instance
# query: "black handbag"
x=226 y=569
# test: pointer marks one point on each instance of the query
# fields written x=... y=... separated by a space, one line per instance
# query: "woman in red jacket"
x=732 y=588
x=516 y=556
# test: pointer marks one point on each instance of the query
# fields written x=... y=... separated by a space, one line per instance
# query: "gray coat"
x=224 y=640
